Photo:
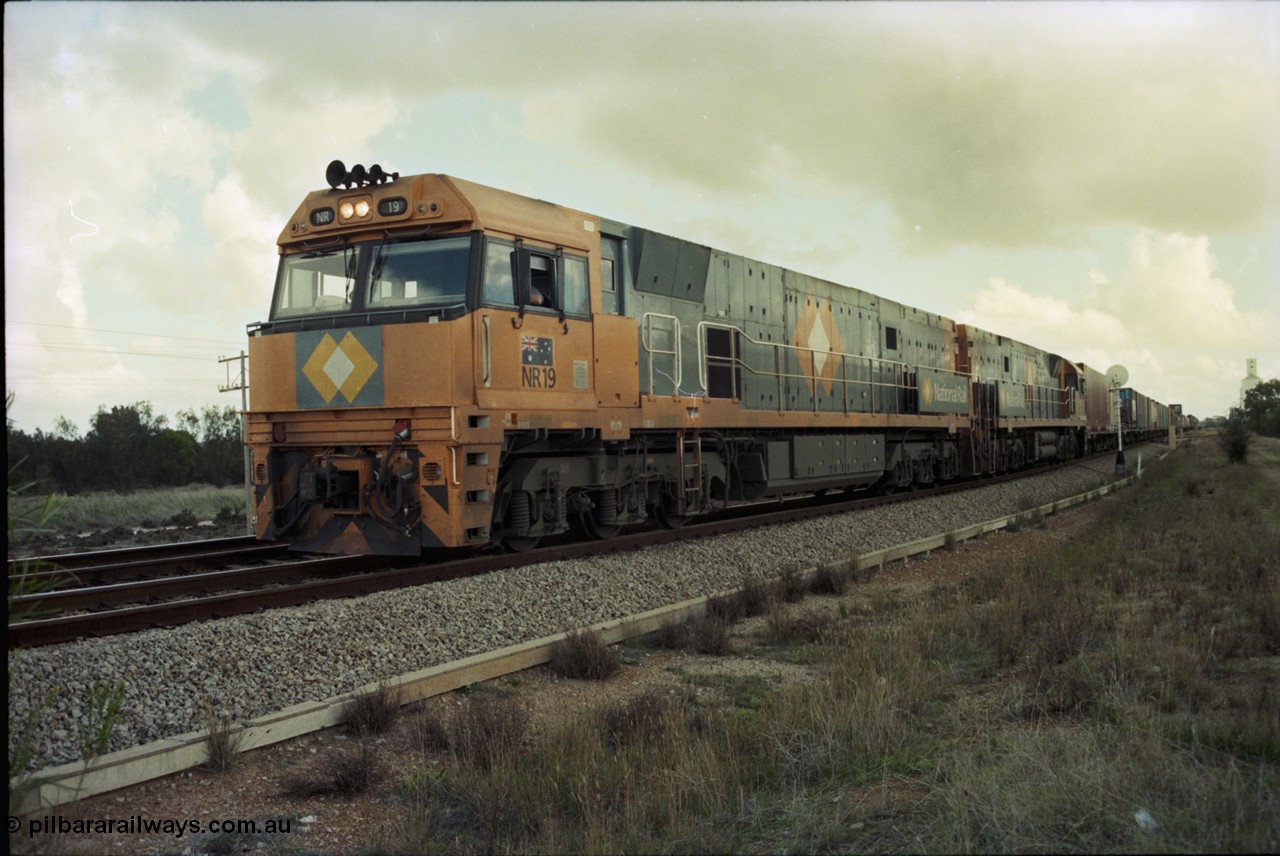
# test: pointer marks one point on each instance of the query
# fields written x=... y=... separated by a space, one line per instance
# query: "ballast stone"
x=248 y=666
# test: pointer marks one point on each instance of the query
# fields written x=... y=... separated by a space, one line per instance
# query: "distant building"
x=1251 y=378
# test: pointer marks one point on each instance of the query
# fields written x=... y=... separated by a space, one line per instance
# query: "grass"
x=784 y=626
x=490 y=730
x=224 y=742
x=373 y=712
x=583 y=656
x=793 y=585
x=829 y=580
x=640 y=718
x=706 y=635
x=428 y=733
x=348 y=772
x=147 y=508
x=1120 y=693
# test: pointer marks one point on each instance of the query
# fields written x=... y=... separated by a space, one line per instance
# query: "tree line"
x=130 y=447
x=1262 y=408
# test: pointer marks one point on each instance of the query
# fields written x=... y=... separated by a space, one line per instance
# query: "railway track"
x=101 y=567
x=116 y=591
x=169 y=755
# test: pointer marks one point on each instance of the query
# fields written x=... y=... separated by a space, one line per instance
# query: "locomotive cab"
x=411 y=322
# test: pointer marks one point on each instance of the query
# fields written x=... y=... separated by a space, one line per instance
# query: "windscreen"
x=420 y=274
x=315 y=283
x=373 y=276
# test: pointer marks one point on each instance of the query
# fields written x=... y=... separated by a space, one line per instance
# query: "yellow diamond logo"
x=335 y=367
x=314 y=369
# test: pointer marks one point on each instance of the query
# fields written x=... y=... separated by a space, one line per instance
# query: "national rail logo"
x=819 y=342
x=343 y=367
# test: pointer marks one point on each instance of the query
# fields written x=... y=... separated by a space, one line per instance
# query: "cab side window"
x=542 y=280
x=515 y=275
x=575 y=286
x=557 y=282
x=499 y=281
x=611 y=274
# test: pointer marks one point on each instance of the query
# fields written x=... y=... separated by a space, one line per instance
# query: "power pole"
x=242 y=383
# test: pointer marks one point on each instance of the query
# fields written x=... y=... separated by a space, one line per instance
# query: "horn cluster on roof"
x=339 y=176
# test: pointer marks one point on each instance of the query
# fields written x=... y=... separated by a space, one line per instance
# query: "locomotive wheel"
x=592 y=528
x=516 y=544
x=668 y=519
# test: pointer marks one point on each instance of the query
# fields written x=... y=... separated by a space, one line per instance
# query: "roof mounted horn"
x=337 y=175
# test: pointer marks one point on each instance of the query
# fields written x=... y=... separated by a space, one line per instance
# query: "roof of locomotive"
x=432 y=203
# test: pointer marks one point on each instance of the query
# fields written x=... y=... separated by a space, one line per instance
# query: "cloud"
x=186 y=134
x=1000 y=127
x=1171 y=289
x=1168 y=316
x=1049 y=322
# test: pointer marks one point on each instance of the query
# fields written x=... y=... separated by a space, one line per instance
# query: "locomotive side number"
x=539 y=377
x=537 y=362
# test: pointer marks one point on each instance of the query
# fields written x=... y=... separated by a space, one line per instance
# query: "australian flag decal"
x=535 y=351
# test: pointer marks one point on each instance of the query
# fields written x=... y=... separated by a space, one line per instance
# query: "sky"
x=1100 y=179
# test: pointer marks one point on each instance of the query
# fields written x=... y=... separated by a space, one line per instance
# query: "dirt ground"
x=172 y=531
x=256 y=789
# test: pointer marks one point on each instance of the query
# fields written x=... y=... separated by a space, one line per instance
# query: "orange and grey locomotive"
x=450 y=365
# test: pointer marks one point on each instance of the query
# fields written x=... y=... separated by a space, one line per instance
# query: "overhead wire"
x=166 y=351
x=122 y=332
x=74 y=349
x=44 y=381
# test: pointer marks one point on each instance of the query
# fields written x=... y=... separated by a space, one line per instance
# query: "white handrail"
x=646 y=336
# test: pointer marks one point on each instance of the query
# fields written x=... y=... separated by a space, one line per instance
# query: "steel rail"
x=131 y=562
x=64 y=628
x=140 y=591
x=120 y=555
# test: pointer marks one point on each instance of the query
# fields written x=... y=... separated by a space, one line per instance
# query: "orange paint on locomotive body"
x=391 y=413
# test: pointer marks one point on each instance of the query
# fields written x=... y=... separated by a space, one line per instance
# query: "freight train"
x=449 y=365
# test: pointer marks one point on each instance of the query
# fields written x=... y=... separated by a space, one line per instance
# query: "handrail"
x=903 y=373
x=646 y=337
x=880 y=373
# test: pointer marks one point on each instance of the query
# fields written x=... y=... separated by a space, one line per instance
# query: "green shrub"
x=373 y=712
x=582 y=655
x=223 y=743
x=1235 y=440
